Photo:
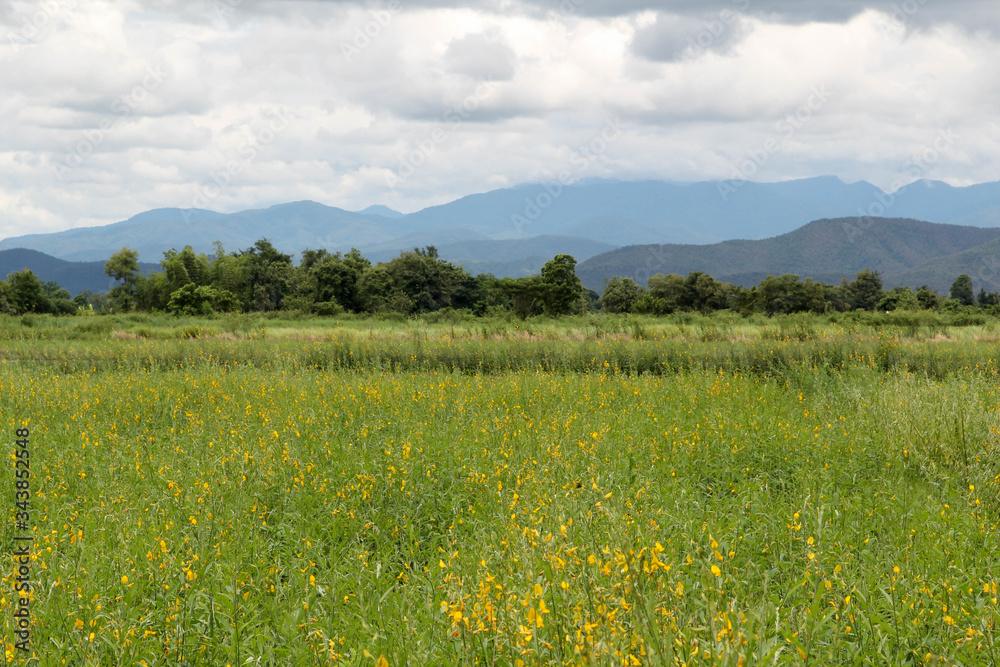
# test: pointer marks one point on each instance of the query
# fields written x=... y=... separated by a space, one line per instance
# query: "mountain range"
x=513 y=231
x=75 y=277
x=609 y=212
x=907 y=252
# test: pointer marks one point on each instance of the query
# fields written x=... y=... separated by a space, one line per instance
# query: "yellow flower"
x=716 y=571
x=125 y=579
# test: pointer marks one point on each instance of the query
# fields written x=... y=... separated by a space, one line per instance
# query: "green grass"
x=367 y=491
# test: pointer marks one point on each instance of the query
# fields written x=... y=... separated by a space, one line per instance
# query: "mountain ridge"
x=621 y=213
x=822 y=249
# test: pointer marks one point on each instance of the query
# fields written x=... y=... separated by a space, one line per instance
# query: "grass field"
x=698 y=491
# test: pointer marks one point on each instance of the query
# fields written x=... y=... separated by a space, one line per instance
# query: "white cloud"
x=369 y=88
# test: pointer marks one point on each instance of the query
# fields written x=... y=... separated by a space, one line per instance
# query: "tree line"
x=263 y=279
x=787 y=294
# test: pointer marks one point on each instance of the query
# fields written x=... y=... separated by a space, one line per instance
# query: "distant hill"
x=629 y=212
x=515 y=249
x=518 y=257
x=610 y=212
x=907 y=252
x=383 y=211
x=75 y=277
x=292 y=227
x=419 y=239
x=981 y=263
x=826 y=250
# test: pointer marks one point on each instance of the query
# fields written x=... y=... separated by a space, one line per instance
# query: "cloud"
x=368 y=89
x=971 y=14
x=484 y=55
x=673 y=38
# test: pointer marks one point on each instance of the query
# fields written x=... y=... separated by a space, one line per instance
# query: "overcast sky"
x=108 y=109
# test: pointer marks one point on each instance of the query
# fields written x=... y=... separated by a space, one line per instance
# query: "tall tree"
x=27 y=295
x=961 y=290
x=866 y=290
x=123 y=266
x=620 y=295
x=267 y=274
x=563 y=289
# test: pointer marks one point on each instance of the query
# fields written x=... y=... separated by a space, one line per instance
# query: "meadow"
x=449 y=491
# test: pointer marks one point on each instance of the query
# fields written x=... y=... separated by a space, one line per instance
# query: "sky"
x=108 y=109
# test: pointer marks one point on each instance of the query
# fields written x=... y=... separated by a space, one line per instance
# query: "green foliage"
x=865 y=291
x=193 y=299
x=987 y=299
x=262 y=279
x=526 y=296
x=899 y=298
x=961 y=290
x=26 y=294
x=927 y=299
x=787 y=294
x=620 y=295
x=562 y=288
x=267 y=274
x=123 y=265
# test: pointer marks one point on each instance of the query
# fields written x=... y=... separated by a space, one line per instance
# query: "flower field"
x=269 y=500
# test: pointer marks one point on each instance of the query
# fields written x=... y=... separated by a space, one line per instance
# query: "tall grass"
x=414 y=499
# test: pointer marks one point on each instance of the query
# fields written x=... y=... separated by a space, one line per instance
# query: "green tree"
x=667 y=294
x=337 y=278
x=526 y=296
x=899 y=298
x=267 y=274
x=27 y=294
x=787 y=294
x=228 y=272
x=927 y=298
x=59 y=299
x=184 y=267
x=961 y=290
x=375 y=290
x=704 y=293
x=123 y=266
x=6 y=299
x=620 y=295
x=986 y=299
x=866 y=290
x=563 y=289
x=422 y=282
x=194 y=299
